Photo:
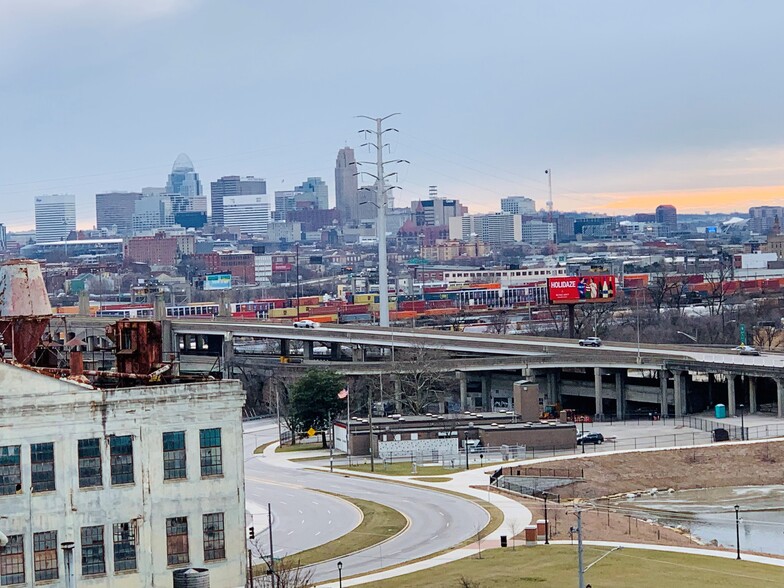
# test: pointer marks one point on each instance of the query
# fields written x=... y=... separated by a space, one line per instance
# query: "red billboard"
x=579 y=289
x=281 y=267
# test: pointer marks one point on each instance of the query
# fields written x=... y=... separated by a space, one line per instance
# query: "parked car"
x=590 y=342
x=589 y=438
x=745 y=350
x=305 y=324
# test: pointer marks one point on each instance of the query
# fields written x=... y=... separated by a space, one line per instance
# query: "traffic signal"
x=251 y=533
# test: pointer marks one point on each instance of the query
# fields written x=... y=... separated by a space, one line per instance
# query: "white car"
x=590 y=342
x=306 y=324
x=745 y=350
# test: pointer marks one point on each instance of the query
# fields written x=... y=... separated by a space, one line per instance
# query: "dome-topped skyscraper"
x=183 y=179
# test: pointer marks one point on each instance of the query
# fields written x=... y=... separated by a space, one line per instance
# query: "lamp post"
x=340 y=574
x=465 y=446
x=546 y=523
x=742 y=429
x=737 y=530
x=582 y=435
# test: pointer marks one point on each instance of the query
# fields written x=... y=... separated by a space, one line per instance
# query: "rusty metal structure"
x=24 y=307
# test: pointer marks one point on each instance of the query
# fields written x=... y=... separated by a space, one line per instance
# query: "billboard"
x=281 y=267
x=579 y=289
x=217 y=282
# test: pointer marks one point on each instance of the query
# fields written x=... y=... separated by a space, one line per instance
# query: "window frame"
x=45 y=553
x=10 y=472
x=87 y=462
x=210 y=454
x=12 y=557
x=213 y=536
x=123 y=546
x=121 y=464
x=96 y=542
x=176 y=540
x=175 y=452
x=42 y=467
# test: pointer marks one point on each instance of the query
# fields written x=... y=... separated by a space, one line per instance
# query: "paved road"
x=437 y=521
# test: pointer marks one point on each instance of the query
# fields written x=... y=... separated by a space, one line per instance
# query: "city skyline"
x=629 y=106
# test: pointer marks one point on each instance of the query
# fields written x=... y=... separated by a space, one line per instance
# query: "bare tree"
x=286 y=572
x=422 y=382
x=464 y=582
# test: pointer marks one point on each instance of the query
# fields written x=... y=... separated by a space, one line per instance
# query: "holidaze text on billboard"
x=577 y=289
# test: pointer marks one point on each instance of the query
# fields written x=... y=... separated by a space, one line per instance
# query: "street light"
x=692 y=337
x=546 y=523
x=340 y=574
x=737 y=530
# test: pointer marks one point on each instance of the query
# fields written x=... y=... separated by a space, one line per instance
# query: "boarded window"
x=12 y=568
x=45 y=555
x=177 y=540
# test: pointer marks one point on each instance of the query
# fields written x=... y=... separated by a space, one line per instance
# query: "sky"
x=631 y=104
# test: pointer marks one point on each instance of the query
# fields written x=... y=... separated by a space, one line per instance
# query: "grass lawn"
x=556 y=566
x=433 y=479
x=403 y=468
x=261 y=448
x=379 y=523
x=308 y=446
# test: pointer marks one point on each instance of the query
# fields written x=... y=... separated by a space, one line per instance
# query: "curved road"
x=438 y=521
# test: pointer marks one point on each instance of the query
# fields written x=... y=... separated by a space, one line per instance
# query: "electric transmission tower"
x=381 y=202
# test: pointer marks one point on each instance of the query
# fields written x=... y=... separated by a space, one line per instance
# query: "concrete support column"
x=597 y=388
x=398 y=394
x=486 y=392
x=463 y=383
x=620 y=393
x=553 y=386
x=334 y=351
x=780 y=397
x=679 y=393
x=358 y=353
x=284 y=347
x=752 y=394
x=731 y=395
x=228 y=355
x=664 y=405
x=307 y=350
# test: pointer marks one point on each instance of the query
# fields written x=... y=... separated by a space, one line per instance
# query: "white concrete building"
x=142 y=480
x=498 y=228
x=55 y=217
x=518 y=205
x=250 y=213
x=538 y=232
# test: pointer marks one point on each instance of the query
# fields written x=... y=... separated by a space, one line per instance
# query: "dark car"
x=588 y=438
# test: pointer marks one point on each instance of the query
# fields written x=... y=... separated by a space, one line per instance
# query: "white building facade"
x=518 y=205
x=497 y=229
x=143 y=481
x=55 y=217
x=249 y=213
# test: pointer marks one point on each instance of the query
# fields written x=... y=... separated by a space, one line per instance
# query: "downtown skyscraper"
x=55 y=217
x=346 y=186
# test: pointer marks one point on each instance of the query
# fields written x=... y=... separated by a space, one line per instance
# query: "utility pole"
x=272 y=551
x=549 y=173
x=370 y=426
x=381 y=202
x=296 y=258
x=580 y=571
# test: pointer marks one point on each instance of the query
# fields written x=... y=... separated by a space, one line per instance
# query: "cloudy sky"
x=631 y=103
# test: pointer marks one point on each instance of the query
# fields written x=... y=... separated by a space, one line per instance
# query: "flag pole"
x=348 y=424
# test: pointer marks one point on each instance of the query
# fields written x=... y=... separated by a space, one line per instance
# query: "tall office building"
x=233 y=186
x=285 y=202
x=248 y=213
x=183 y=179
x=518 y=205
x=115 y=209
x=435 y=211
x=346 y=186
x=762 y=218
x=55 y=217
x=312 y=193
x=152 y=211
x=667 y=215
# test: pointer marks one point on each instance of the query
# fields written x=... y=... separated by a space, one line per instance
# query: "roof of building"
x=183 y=163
